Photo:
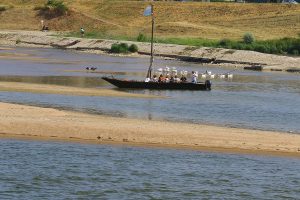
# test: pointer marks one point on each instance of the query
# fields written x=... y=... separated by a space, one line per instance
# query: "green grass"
x=99 y=35
x=199 y=42
x=289 y=46
x=284 y=46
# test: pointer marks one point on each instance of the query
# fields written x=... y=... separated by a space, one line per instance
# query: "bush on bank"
x=141 y=38
x=248 y=38
x=52 y=8
x=123 y=48
x=5 y=7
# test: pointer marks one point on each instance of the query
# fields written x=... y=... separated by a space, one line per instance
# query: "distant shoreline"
x=226 y=58
x=35 y=123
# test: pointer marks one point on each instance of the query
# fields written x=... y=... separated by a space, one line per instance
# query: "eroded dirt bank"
x=214 y=56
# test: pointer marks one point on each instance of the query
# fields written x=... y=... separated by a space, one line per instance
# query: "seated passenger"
x=147 y=79
x=161 y=79
x=154 y=79
x=167 y=79
x=183 y=79
x=176 y=79
x=172 y=80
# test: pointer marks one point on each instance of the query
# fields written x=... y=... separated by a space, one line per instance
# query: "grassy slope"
x=173 y=19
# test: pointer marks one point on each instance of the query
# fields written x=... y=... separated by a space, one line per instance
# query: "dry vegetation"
x=174 y=19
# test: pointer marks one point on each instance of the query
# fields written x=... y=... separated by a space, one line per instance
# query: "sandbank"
x=65 y=90
x=29 y=122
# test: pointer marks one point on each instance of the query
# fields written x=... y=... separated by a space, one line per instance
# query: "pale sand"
x=18 y=121
x=64 y=90
x=5 y=48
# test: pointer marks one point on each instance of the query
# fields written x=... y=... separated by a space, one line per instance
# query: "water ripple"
x=34 y=170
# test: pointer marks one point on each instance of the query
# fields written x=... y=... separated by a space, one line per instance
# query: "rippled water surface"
x=259 y=100
x=44 y=170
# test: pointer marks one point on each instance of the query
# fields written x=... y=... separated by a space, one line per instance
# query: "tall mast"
x=149 y=73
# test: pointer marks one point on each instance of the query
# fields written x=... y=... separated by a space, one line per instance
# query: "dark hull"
x=157 y=86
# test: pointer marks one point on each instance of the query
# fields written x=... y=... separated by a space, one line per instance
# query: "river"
x=52 y=170
x=256 y=100
x=56 y=170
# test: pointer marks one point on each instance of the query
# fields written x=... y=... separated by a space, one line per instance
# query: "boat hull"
x=132 y=84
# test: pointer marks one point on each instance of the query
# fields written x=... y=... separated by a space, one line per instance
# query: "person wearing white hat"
x=194 y=77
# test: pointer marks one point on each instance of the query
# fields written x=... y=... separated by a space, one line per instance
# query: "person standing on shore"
x=82 y=32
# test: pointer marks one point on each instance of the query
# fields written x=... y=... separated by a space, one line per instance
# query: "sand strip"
x=18 y=121
x=64 y=90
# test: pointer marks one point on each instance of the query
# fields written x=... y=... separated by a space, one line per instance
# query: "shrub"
x=3 y=8
x=248 y=38
x=60 y=7
x=133 y=48
x=249 y=47
x=279 y=48
x=141 y=38
x=52 y=8
x=295 y=52
x=224 y=42
x=261 y=48
x=274 y=50
x=18 y=41
x=115 y=48
x=239 y=46
x=124 y=47
x=119 y=48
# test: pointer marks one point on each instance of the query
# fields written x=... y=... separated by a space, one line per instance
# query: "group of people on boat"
x=173 y=78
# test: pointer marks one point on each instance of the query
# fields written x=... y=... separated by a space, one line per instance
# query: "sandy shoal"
x=19 y=121
x=65 y=90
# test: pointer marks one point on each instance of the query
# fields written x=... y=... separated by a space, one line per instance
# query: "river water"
x=50 y=170
x=54 y=170
x=257 y=100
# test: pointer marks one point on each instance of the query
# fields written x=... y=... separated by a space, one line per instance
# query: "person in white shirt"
x=167 y=79
x=154 y=79
x=194 y=77
x=82 y=32
x=176 y=79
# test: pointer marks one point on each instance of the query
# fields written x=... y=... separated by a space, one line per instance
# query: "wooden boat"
x=135 y=84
